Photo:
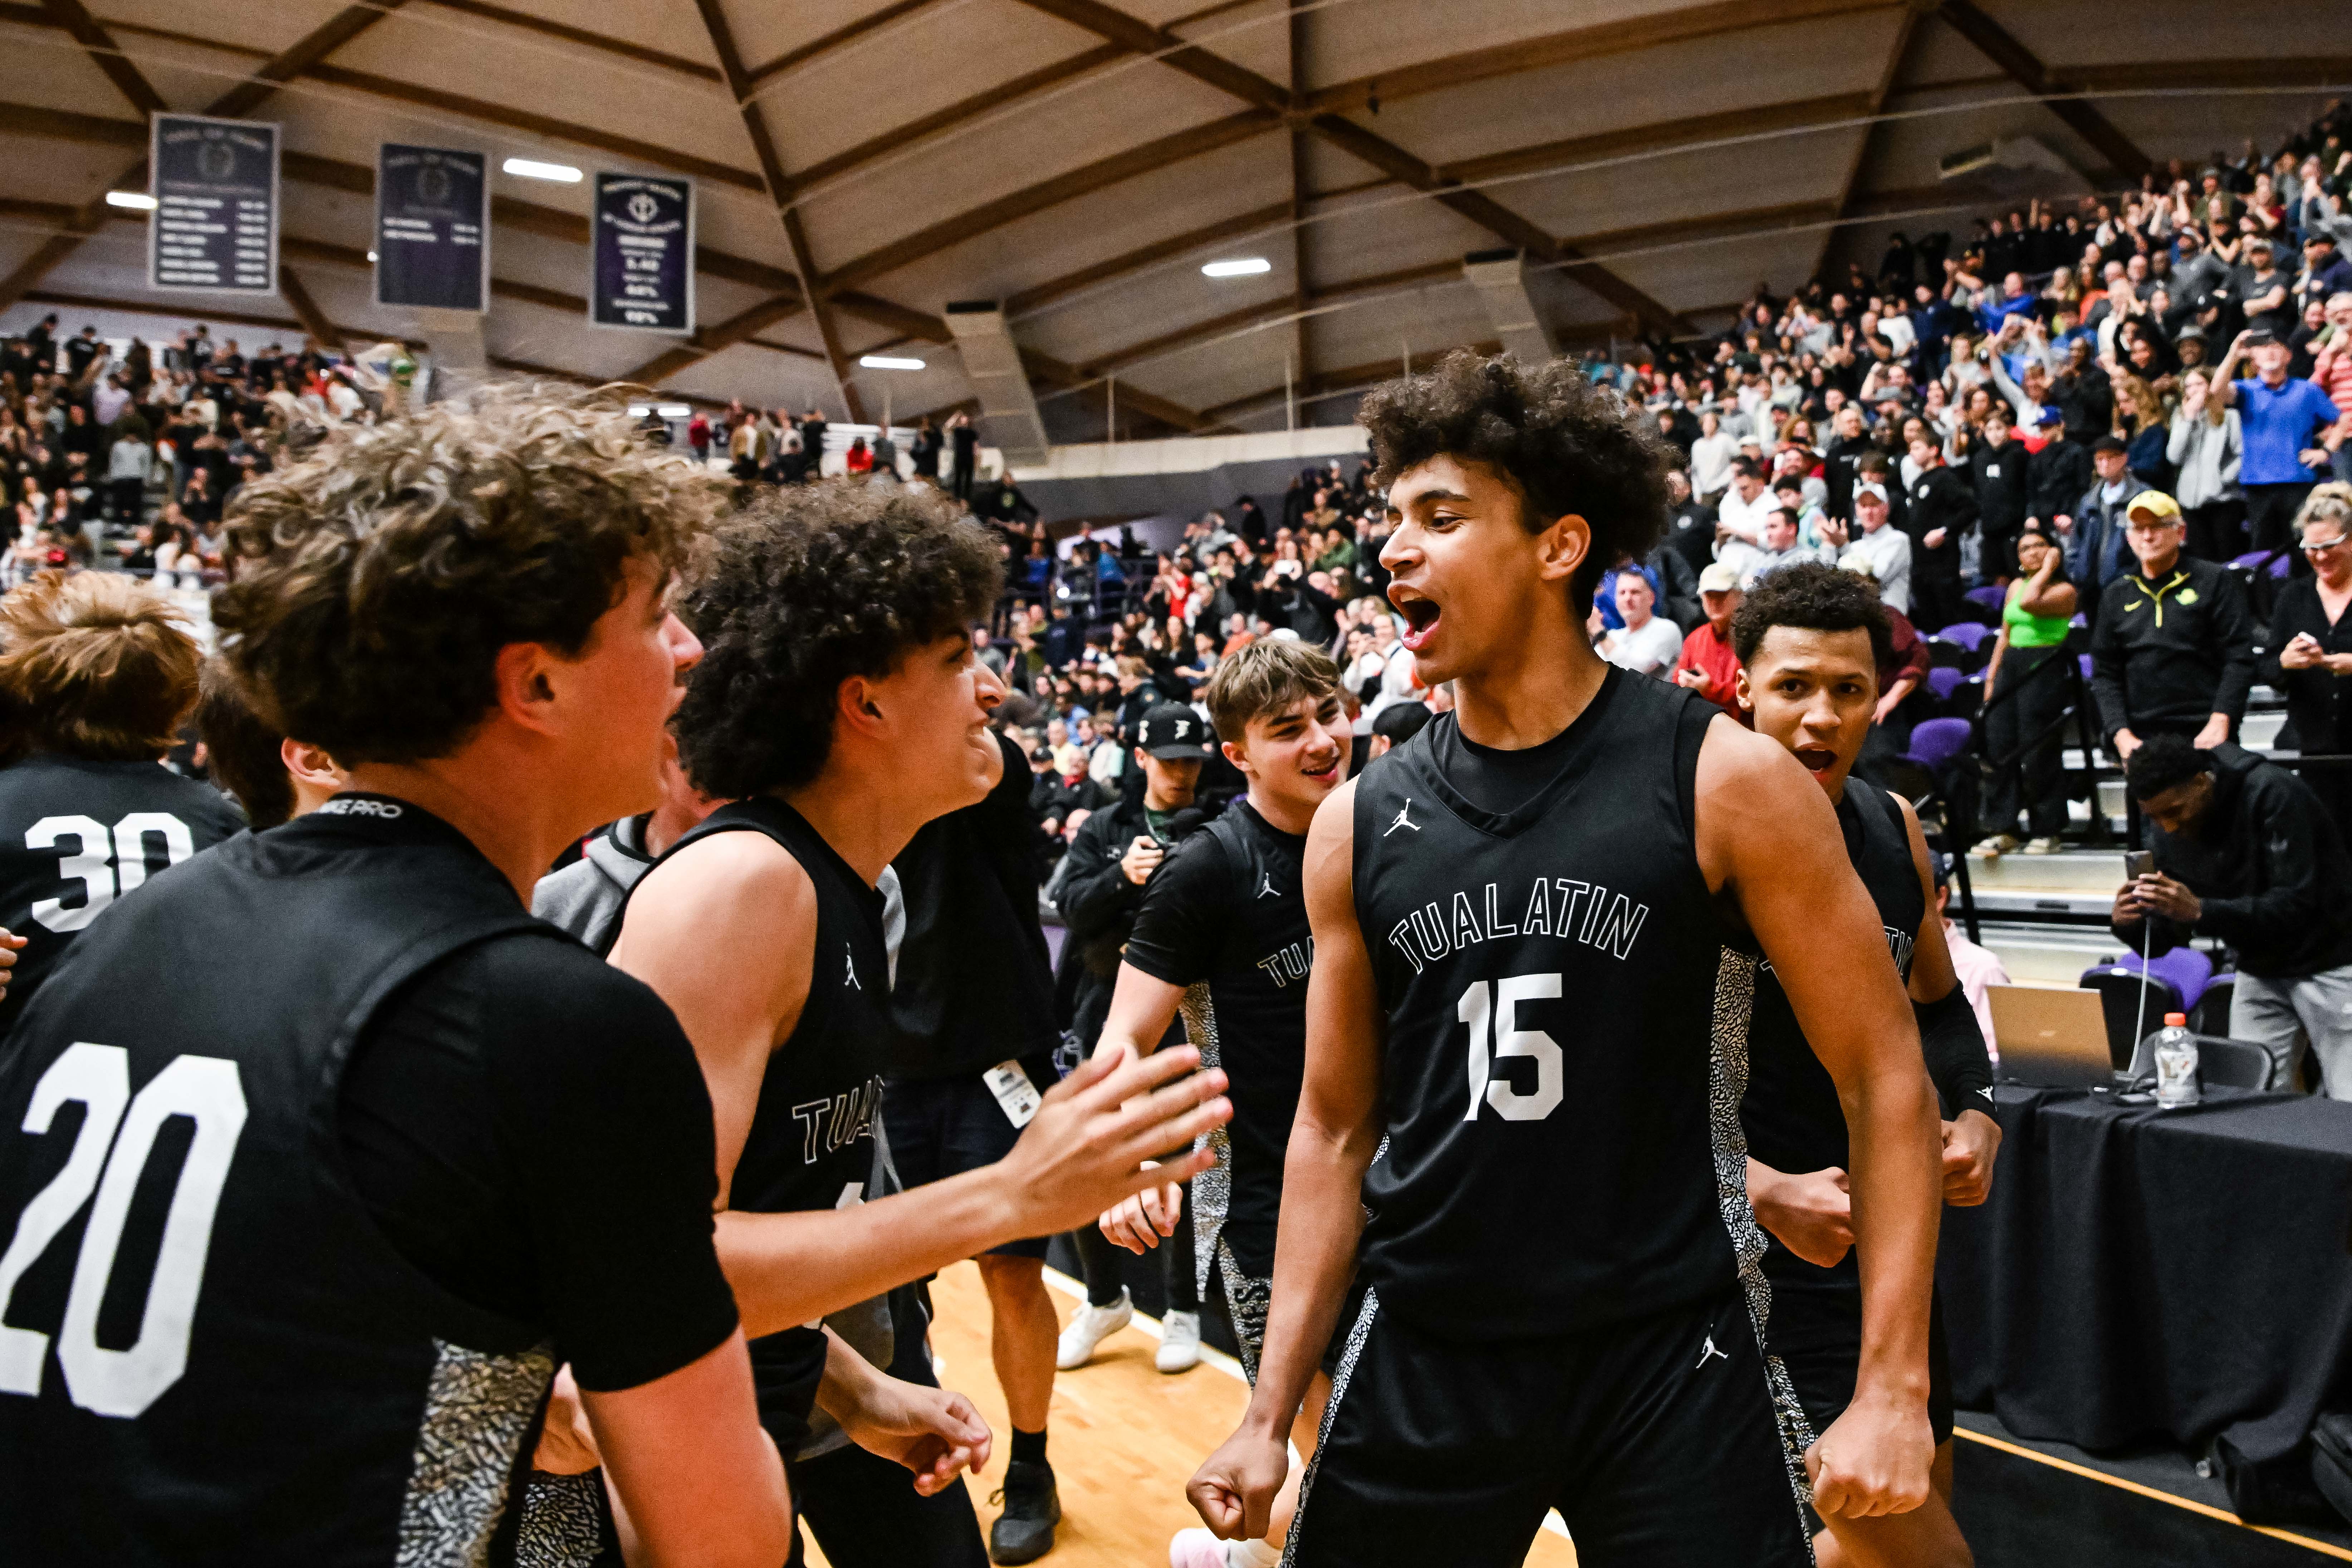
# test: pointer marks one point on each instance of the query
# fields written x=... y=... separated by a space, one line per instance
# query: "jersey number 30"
x=109 y=864
x=108 y=1156
x=1493 y=1015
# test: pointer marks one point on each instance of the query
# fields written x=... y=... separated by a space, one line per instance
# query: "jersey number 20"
x=109 y=1155
x=1493 y=1015
x=109 y=864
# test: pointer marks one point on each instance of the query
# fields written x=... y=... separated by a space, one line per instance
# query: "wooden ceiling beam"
x=1347 y=379
x=1904 y=32
x=1078 y=182
x=790 y=59
x=1029 y=301
x=1997 y=44
x=306 y=310
x=779 y=184
x=105 y=53
x=1576 y=45
x=707 y=341
x=1661 y=136
x=1055 y=373
x=1267 y=97
x=582 y=36
x=542 y=126
x=307 y=51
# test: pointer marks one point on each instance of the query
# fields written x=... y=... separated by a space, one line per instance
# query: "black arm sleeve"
x=1186 y=913
x=531 y=1128
x=1957 y=1063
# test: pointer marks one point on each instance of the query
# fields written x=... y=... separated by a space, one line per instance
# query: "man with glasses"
x=2173 y=643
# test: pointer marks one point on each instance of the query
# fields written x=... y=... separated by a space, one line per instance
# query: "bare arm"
x=698 y=1480
x=1141 y=1006
x=1769 y=844
x=1971 y=1138
x=1331 y=1144
x=705 y=932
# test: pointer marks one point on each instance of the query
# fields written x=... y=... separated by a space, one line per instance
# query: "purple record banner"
x=432 y=228
x=643 y=251
x=215 y=227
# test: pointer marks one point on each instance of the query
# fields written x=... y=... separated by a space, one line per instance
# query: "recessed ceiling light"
x=889 y=362
x=137 y=201
x=1240 y=267
x=675 y=411
x=531 y=169
x=371 y=255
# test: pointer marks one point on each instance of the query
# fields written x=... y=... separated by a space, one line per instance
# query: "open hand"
x=1091 y=1144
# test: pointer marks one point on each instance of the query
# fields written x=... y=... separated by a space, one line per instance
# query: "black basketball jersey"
x=75 y=836
x=1792 y=1114
x=209 y=1353
x=1564 y=1031
x=811 y=1140
x=1226 y=918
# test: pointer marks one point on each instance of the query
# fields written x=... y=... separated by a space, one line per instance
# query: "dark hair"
x=97 y=665
x=375 y=582
x=2163 y=763
x=1569 y=445
x=243 y=752
x=1816 y=598
x=809 y=585
x=1872 y=461
x=1400 y=721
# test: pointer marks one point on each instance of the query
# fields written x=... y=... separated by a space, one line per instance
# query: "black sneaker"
x=1024 y=1531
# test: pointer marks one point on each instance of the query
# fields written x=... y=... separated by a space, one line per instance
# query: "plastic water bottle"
x=2176 y=1062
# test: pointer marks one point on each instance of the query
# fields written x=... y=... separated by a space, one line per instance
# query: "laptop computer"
x=2051 y=1038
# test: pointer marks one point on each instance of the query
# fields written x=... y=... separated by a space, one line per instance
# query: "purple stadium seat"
x=1989 y=598
x=1943 y=682
x=1969 y=635
x=2083 y=663
x=2275 y=561
x=1938 y=741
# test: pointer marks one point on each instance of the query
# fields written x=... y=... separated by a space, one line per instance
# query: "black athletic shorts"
x=1815 y=1329
x=942 y=1127
x=1657 y=1440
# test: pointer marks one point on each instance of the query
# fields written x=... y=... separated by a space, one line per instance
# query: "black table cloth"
x=2142 y=1276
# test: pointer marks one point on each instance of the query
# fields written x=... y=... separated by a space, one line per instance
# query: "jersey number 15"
x=1492 y=1011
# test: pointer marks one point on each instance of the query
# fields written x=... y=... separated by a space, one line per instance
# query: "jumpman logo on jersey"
x=1265 y=885
x=1709 y=1350
x=849 y=955
x=1404 y=820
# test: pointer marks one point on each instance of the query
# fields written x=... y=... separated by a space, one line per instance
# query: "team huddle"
x=1558 y=1114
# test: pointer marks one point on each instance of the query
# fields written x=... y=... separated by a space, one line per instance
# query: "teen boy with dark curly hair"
x=838 y=706
x=1523 y=987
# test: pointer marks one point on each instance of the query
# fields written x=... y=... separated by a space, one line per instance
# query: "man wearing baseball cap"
x=2290 y=427
x=1707 y=665
x=1876 y=547
x=2172 y=646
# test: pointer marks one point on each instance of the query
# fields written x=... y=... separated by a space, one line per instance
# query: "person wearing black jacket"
x=972 y=996
x=2055 y=477
x=1690 y=523
x=2308 y=654
x=1111 y=859
x=1943 y=507
x=1838 y=462
x=2172 y=646
x=1999 y=468
x=2245 y=853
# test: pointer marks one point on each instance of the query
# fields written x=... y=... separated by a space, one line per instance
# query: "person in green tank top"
x=2034 y=621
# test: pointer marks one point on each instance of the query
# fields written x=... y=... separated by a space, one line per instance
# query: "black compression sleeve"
x=1955 y=1047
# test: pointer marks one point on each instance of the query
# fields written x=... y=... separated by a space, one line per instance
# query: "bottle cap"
x=2176 y=1020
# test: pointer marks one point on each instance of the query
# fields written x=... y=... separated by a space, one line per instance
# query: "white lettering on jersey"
x=1558 y=906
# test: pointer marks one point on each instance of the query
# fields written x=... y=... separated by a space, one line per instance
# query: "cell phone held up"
x=2138 y=863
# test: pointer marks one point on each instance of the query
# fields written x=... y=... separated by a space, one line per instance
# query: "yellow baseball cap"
x=2155 y=503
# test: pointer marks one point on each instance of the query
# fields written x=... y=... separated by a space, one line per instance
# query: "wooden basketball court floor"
x=1125 y=1437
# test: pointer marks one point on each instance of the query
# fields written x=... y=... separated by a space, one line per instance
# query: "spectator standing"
x=129 y=463
x=1739 y=518
x=1875 y=546
x=1999 y=467
x=1709 y=666
x=1647 y=644
x=2207 y=447
x=2331 y=369
x=2034 y=620
x=1711 y=456
x=1690 y=523
x=2308 y=653
x=2172 y=647
x=924 y=450
x=2280 y=416
x=963 y=451
x=1943 y=509
x=2057 y=474
x=2098 y=556
x=2246 y=855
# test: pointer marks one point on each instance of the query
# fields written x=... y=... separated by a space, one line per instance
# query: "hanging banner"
x=643 y=254
x=432 y=228
x=215 y=227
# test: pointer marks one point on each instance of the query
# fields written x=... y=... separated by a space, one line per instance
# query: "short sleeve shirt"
x=2278 y=425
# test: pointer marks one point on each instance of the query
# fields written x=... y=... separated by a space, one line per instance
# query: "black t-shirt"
x=1226 y=918
x=522 y=1120
x=76 y=836
x=975 y=980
